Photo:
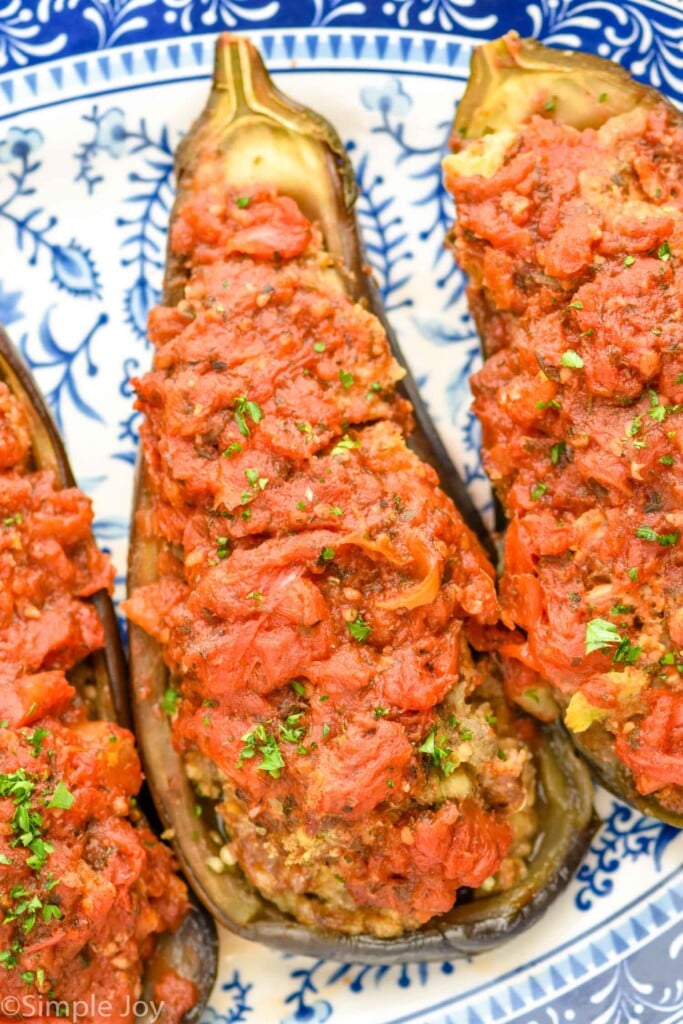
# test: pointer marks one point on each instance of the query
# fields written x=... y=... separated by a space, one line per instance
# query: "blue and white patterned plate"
x=94 y=95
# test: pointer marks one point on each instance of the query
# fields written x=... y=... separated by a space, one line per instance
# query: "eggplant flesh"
x=263 y=137
x=102 y=682
x=511 y=80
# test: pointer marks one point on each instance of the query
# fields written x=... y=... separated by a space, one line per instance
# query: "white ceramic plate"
x=93 y=98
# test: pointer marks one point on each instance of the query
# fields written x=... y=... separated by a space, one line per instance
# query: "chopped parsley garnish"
x=552 y=404
x=667 y=460
x=657 y=411
x=255 y=480
x=558 y=451
x=345 y=445
x=600 y=634
x=222 y=549
x=549 y=105
x=576 y=304
x=346 y=378
x=336 y=511
x=679 y=379
x=634 y=426
x=602 y=97
x=233 y=449
x=538 y=490
x=664 y=252
x=572 y=359
x=242 y=202
x=36 y=739
x=359 y=629
x=629 y=261
x=264 y=742
x=439 y=754
x=627 y=653
x=319 y=346
x=666 y=540
x=297 y=686
x=61 y=798
x=243 y=409
x=633 y=575
x=14 y=520
x=256 y=596
x=169 y=701
x=326 y=555
x=380 y=712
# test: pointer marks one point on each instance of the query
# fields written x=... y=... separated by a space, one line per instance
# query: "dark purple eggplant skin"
x=243 y=96
x=192 y=950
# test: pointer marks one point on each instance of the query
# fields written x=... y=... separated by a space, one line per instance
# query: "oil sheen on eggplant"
x=263 y=139
x=102 y=682
x=519 y=86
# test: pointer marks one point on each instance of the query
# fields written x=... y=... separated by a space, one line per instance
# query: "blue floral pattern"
x=86 y=268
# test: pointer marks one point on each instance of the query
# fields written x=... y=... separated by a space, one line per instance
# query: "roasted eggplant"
x=101 y=685
x=254 y=140
x=566 y=178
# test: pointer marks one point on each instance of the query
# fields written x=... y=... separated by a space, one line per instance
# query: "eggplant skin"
x=603 y=159
x=252 y=125
x=192 y=950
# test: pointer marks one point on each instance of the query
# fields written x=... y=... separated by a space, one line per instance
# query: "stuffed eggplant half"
x=566 y=178
x=339 y=769
x=92 y=911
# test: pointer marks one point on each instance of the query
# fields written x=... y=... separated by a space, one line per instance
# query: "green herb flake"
x=169 y=701
x=665 y=540
x=61 y=798
x=558 y=451
x=600 y=634
x=667 y=460
x=243 y=409
x=326 y=555
x=629 y=261
x=319 y=346
x=632 y=575
x=538 y=490
x=346 y=378
x=233 y=449
x=572 y=359
x=243 y=202
x=346 y=444
x=438 y=752
x=380 y=712
x=664 y=252
x=359 y=629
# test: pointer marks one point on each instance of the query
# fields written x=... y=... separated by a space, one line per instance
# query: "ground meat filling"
x=316 y=588
x=573 y=243
x=83 y=890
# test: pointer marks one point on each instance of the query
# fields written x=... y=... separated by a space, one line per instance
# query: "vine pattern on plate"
x=239 y=1006
x=309 y=1007
x=634 y=36
x=626 y=835
x=149 y=202
x=64 y=364
x=73 y=268
x=384 y=235
x=392 y=103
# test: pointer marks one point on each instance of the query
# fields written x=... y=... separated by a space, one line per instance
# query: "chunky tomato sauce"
x=83 y=890
x=315 y=586
x=573 y=242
